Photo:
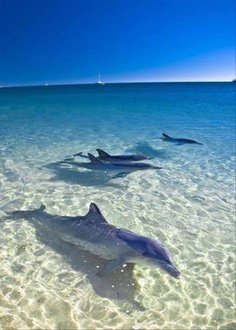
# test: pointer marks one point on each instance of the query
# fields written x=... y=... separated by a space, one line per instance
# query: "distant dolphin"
x=167 y=138
x=103 y=155
x=94 y=234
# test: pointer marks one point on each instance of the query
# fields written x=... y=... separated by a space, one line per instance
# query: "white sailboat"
x=100 y=82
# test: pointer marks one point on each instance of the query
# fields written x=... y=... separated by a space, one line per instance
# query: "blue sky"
x=69 y=41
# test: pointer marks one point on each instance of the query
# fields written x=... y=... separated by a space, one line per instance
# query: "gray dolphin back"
x=168 y=138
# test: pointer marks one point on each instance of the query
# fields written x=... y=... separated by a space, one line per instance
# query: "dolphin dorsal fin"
x=94 y=159
x=165 y=136
x=42 y=208
x=102 y=154
x=94 y=208
x=94 y=214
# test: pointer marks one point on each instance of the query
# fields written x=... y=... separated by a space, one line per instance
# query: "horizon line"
x=114 y=83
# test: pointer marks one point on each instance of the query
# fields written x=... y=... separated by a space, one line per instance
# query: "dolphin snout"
x=172 y=270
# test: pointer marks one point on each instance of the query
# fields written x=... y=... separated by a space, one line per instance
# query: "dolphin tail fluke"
x=71 y=158
x=80 y=154
x=24 y=214
x=102 y=154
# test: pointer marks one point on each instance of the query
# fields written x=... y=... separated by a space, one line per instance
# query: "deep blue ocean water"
x=188 y=205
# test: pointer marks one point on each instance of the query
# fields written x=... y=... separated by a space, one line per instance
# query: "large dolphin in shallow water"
x=94 y=234
x=167 y=138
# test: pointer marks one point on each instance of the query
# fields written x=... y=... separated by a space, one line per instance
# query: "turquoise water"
x=188 y=205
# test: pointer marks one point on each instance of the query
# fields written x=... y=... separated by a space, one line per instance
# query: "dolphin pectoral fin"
x=110 y=266
x=120 y=175
x=71 y=158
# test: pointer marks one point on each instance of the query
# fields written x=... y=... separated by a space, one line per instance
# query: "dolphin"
x=125 y=164
x=180 y=141
x=103 y=155
x=93 y=233
x=124 y=167
x=97 y=164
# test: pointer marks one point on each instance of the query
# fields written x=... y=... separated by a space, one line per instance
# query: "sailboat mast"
x=99 y=82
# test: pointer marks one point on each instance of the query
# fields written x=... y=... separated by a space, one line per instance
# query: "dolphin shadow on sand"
x=69 y=173
x=144 y=147
x=95 y=172
x=119 y=286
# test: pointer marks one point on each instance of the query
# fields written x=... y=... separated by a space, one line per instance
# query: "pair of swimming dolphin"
x=104 y=161
x=104 y=156
x=93 y=233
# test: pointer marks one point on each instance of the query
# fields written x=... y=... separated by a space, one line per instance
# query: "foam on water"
x=188 y=206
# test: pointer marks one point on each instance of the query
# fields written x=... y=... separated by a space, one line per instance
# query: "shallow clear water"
x=188 y=205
